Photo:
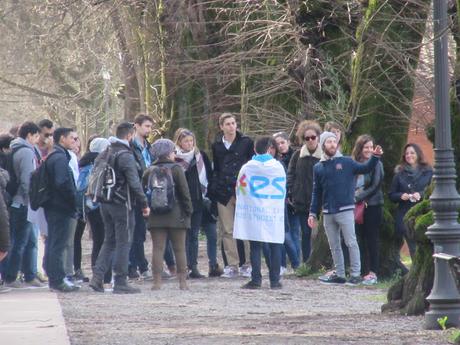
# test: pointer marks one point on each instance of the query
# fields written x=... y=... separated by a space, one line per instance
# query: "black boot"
x=215 y=271
x=96 y=285
x=121 y=286
x=194 y=273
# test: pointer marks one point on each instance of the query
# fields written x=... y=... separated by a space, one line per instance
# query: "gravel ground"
x=217 y=311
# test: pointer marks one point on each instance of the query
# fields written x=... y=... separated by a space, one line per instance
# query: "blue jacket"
x=334 y=183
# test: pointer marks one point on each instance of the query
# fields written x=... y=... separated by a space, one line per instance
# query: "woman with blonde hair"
x=197 y=168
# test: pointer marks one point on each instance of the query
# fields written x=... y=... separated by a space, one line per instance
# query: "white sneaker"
x=283 y=271
x=230 y=272
x=245 y=271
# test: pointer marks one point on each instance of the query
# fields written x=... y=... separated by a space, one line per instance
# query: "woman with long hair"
x=369 y=193
x=300 y=181
x=197 y=168
x=412 y=177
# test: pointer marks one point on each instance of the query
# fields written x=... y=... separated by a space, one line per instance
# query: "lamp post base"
x=451 y=311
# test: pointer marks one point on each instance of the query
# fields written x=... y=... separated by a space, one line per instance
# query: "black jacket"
x=372 y=193
x=286 y=158
x=193 y=181
x=127 y=175
x=87 y=158
x=227 y=164
x=406 y=182
x=62 y=184
x=300 y=178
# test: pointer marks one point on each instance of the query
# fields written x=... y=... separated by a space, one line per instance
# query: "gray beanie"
x=98 y=145
x=162 y=148
x=324 y=136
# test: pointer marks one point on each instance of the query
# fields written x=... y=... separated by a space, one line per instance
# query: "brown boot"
x=182 y=281
x=156 y=281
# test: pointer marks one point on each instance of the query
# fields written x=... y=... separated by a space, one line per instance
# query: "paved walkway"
x=31 y=316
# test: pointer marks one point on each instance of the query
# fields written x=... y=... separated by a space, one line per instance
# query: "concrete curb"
x=32 y=316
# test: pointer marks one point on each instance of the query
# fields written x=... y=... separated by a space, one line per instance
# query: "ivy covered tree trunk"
x=409 y=293
x=389 y=40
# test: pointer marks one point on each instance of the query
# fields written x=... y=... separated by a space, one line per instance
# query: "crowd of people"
x=252 y=198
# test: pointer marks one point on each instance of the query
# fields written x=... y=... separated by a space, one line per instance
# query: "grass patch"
x=305 y=271
x=407 y=261
x=382 y=298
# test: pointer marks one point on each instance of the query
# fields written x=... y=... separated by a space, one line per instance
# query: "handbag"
x=359 y=212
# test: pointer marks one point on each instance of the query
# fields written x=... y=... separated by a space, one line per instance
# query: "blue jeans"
x=289 y=247
x=294 y=231
x=137 y=258
x=59 y=230
x=191 y=239
x=23 y=253
x=210 y=230
x=272 y=256
x=301 y=222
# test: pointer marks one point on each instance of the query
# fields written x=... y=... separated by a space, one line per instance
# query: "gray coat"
x=4 y=224
x=24 y=163
x=179 y=217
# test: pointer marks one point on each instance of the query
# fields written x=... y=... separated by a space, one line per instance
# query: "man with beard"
x=141 y=147
x=334 y=191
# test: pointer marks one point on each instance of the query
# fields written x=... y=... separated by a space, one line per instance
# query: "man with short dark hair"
x=118 y=214
x=141 y=148
x=5 y=141
x=260 y=210
x=23 y=253
x=45 y=143
x=231 y=150
x=60 y=210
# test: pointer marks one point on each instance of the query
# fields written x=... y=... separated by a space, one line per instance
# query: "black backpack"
x=39 y=189
x=160 y=188
x=102 y=180
x=13 y=184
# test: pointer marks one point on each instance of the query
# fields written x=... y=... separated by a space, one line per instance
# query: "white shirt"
x=227 y=144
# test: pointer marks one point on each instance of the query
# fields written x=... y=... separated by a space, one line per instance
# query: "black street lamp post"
x=444 y=298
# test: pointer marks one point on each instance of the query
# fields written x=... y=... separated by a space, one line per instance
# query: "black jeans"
x=273 y=258
x=97 y=229
x=81 y=225
x=119 y=227
x=137 y=258
x=59 y=230
x=368 y=238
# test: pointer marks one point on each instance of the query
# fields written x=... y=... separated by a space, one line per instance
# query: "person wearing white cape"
x=259 y=216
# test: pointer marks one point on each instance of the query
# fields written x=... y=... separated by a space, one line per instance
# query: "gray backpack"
x=160 y=188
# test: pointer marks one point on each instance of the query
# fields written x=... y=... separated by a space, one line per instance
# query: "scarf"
x=185 y=160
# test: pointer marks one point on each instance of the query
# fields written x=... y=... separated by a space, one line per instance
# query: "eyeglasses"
x=308 y=138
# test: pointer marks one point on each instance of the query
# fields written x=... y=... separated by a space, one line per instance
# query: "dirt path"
x=217 y=311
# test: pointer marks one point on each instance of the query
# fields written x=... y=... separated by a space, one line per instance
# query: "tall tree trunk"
x=128 y=66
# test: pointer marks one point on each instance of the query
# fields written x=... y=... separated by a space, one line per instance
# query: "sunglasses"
x=308 y=138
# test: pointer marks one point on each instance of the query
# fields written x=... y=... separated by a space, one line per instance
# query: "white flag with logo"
x=260 y=201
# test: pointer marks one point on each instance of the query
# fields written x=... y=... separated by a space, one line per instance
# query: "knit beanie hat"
x=98 y=145
x=324 y=136
x=162 y=148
